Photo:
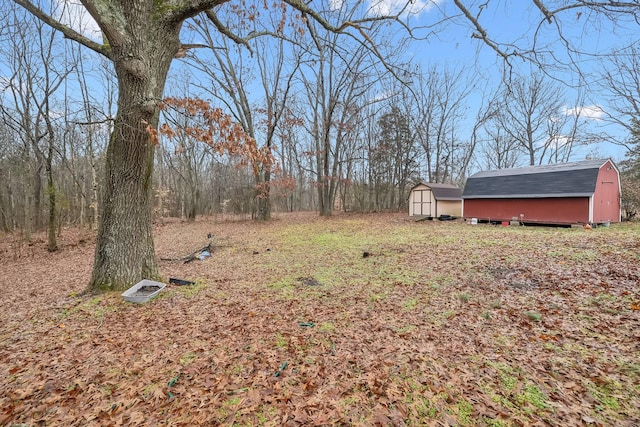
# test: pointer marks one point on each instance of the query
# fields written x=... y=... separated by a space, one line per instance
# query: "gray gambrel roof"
x=443 y=191
x=577 y=179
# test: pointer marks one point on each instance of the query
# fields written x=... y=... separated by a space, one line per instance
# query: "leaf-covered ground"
x=355 y=320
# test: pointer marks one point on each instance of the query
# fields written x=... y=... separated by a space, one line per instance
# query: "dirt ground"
x=355 y=320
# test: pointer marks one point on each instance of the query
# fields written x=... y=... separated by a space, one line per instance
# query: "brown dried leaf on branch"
x=196 y=119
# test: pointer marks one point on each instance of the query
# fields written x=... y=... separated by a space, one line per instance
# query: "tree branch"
x=68 y=32
x=544 y=10
x=224 y=30
x=184 y=48
x=190 y=8
x=481 y=33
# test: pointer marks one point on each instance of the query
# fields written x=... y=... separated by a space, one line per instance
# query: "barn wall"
x=606 y=200
x=546 y=210
x=450 y=207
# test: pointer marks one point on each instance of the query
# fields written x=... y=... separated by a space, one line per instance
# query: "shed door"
x=422 y=203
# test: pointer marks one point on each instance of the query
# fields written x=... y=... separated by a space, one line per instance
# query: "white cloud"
x=393 y=7
x=73 y=14
x=336 y=4
x=555 y=142
x=559 y=141
x=594 y=112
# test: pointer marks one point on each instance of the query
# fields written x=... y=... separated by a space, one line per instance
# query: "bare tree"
x=141 y=39
x=7 y=216
x=621 y=81
x=187 y=158
x=439 y=108
x=89 y=124
x=232 y=80
x=527 y=112
x=334 y=83
x=556 y=40
x=34 y=81
x=499 y=150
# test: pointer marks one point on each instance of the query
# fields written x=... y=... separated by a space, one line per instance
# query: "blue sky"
x=506 y=21
x=516 y=24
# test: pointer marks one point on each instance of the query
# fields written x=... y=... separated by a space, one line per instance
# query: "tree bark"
x=125 y=252
x=52 y=244
x=263 y=196
x=28 y=195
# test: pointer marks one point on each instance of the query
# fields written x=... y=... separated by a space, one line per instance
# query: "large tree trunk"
x=125 y=251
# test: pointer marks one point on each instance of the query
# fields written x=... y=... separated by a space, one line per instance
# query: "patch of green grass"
x=439 y=281
x=187 y=358
x=225 y=410
x=405 y=329
x=191 y=290
x=490 y=422
x=347 y=402
x=464 y=410
x=600 y=299
x=411 y=304
x=423 y=407
x=584 y=255
x=266 y=413
x=327 y=327
x=551 y=347
x=534 y=316
x=281 y=341
x=231 y=402
x=575 y=347
x=441 y=318
x=286 y=283
x=612 y=311
x=515 y=393
x=419 y=405
x=285 y=288
x=95 y=307
x=508 y=380
x=496 y=304
x=464 y=297
x=390 y=272
x=584 y=317
x=629 y=368
x=531 y=395
x=149 y=390
x=108 y=390
x=374 y=297
x=606 y=395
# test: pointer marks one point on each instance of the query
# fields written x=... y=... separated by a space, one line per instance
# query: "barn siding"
x=606 y=200
x=545 y=210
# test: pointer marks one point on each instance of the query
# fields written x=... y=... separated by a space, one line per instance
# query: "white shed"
x=433 y=200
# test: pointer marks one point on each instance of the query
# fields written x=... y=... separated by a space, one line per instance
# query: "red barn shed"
x=566 y=193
